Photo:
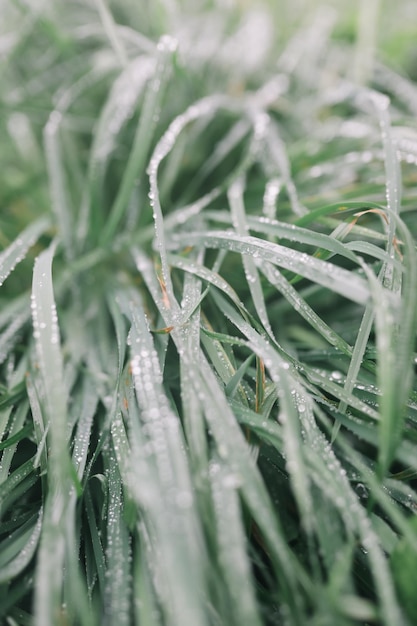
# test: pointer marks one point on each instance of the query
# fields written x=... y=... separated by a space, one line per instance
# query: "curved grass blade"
x=16 y=252
x=290 y=232
x=299 y=305
x=16 y=482
x=11 y=335
x=337 y=207
x=25 y=555
x=335 y=278
x=201 y=109
x=16 y=427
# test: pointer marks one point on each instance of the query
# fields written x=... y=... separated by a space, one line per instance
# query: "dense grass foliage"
x=208 y=399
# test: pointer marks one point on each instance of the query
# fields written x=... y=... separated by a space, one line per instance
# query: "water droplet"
x=336 y=375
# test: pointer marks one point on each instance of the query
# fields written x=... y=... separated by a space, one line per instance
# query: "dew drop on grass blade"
x=16 y=251
x=202 y=108
x=16 y=425
x=194 y=426
x=332 y=476
x=118 y=552
x=231 y=541
x=48 y=351
x=164 y=486
x=24 y=552
x=235 y=198
x=337 y=279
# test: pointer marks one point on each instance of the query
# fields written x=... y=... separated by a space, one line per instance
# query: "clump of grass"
x=208 y=397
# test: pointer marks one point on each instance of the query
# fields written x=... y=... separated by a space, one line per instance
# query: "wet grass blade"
x=220 y=428
x=237 y=208
x=118 y=553
x=23 y=552
x=143 y=136
x=48 y=350
x=17 y=250
x=231 y=545
x=335 y=278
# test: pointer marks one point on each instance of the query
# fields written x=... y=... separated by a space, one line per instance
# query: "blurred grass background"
x=208 y=408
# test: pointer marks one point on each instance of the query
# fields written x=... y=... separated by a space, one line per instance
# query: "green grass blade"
x=119 y=106
x=17 y=251
x=235 y=197
x=25 y=554
x=118 y=553
x=143 y=137
x=231 y=545
x=335 y=278
x=111 y=31
x=52 y=546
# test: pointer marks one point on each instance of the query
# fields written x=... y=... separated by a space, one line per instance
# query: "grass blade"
x=52 y=545
x=17 y=251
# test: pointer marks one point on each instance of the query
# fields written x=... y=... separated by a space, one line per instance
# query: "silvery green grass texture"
x=208 y=269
